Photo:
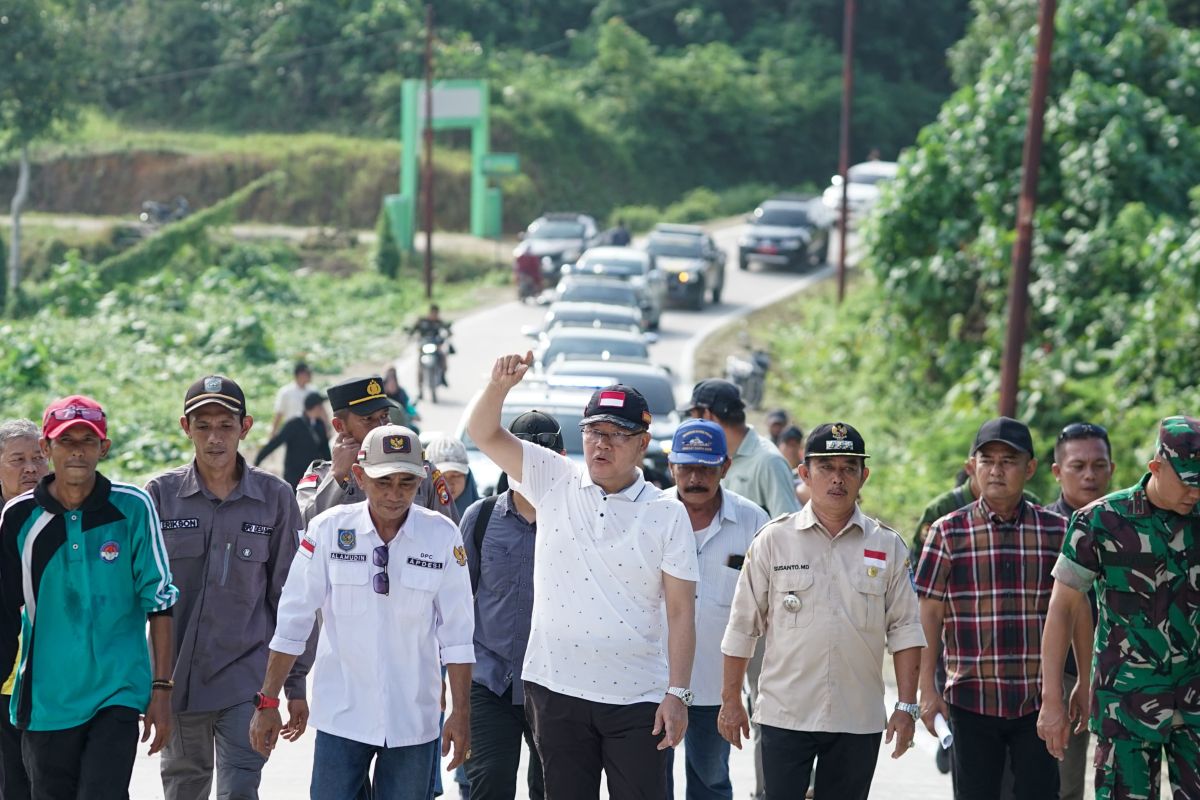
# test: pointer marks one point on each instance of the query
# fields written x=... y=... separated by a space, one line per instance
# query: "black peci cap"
x=1005 y=430
x=313 y=399
x=835 y=439
x=215 y=389
x=619 y=404
x=360 y=395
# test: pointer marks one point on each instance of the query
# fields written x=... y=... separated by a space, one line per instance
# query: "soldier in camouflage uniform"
x=360 y=405
x=1141 y=548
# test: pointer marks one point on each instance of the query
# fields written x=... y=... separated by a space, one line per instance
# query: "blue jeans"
x=706 y=758
x=341 y=769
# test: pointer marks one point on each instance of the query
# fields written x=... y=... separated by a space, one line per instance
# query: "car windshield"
x=556 y=229
x=611 y=266
x=783 y=217
x=676 y=246
x=568 y=422
x=592 y=293
x=589 y=346
x=868 y=178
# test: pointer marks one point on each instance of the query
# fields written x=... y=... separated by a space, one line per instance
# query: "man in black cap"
x=359 y=406
x=606 y=682
x=984 y=580
x=305 y=438
x=827 y=588
x=759 y=473
x=499 y=534
x=231 y=533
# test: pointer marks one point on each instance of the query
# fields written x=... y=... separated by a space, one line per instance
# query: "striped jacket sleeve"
x=151 y=567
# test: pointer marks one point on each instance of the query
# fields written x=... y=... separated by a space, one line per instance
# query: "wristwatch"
x=912 y=709
x=685 y=695
x=261 y=701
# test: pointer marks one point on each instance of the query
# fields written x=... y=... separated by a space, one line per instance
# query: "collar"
x=985 y=511
x=1062 y=507
x=507 y=507
x=727 y=512
x=630 y=492
x=94 y=501
x=750 y=442
x=806 y=519
x=192 y=484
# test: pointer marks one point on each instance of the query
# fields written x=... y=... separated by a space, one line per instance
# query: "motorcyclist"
x=432 y=327
x=527 y=271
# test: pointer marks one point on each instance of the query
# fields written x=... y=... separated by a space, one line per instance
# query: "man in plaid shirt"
x=984 y=580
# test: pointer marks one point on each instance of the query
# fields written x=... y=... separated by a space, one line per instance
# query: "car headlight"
x=684 y=277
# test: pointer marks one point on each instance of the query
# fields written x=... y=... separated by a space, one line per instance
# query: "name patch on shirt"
x=789 y=567
x=348 y=556
x=180 y=524
x=419 y=562
x=262 y=530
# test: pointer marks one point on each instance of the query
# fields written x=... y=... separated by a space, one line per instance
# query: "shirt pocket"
x=248 y=565
x=418 y=585
x=795 y=600
x=1130 y=582
x=347 y=582
x=498 y=567
x=724 y=584
x=185 y=552
x=867 y=600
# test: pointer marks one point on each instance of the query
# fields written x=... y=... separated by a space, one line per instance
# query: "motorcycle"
x=527 y=274
x=749 y=374
x=431 y=365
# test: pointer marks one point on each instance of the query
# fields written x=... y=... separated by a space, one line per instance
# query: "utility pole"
x=851 y=10
x=427 y=179
x=1018 y=287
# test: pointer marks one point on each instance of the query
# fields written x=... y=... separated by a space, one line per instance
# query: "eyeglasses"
x=73 y=412
x=1083 y=430
x=379 y=556
x=550 y=440
x=608 y=437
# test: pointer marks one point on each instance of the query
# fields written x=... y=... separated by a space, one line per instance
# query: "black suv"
x=691 y=262
x=788 y=232
x=559 y=238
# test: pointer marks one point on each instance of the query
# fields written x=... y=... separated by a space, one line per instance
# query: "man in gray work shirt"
x=359 y=406
x=231 y=532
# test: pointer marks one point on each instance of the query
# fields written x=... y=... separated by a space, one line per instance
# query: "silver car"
x=632 y=266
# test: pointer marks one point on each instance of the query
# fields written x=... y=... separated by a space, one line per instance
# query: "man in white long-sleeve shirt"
x=392 y=583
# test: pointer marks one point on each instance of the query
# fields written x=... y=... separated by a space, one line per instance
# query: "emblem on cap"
x=346 y=538
x=397 y=444
x=212 y=384
x=373 y=388
x=839 y=431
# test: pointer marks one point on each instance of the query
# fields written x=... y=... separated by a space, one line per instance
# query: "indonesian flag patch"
x=308 y=546
x=310 y=479
x=612 y=400
x=875 y=561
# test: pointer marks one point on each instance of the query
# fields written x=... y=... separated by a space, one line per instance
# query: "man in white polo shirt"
x=613 y=632
x=391 y=580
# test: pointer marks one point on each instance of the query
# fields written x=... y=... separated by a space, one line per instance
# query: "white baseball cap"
x=390 y=449
x=448 y=454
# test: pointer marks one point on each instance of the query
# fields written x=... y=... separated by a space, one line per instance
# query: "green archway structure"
x=457 y=104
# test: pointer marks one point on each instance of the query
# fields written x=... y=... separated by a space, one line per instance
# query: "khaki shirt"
x=318 y=491
x=823 y=659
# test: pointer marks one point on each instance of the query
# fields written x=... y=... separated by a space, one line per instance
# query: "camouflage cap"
x=1179 y=441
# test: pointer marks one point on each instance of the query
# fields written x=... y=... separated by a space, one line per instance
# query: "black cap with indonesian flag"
x=619 y=404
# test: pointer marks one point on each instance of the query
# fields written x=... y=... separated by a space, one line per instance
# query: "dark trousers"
x=577 y=739
x=497 y=728
x=981 y=745
x=14 y=783
x=92 y=761
x=845 y=763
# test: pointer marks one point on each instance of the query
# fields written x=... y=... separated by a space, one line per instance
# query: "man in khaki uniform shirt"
x=828 y=587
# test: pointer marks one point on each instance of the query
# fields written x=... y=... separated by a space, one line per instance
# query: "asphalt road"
x=482 y=336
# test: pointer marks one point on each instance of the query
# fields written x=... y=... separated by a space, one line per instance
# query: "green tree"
x=39 y=88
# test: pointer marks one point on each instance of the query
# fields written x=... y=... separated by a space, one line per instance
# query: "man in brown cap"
x=1140 y=548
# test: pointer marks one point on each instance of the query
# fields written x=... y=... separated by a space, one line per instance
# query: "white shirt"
x=377 y=676
x=730 y=534
x=599 y=615
x=289 y=400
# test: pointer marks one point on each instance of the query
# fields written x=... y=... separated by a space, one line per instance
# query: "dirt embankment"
x=323 y=187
